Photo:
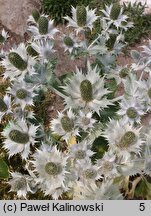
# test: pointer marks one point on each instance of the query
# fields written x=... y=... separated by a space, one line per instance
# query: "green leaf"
x=112 y=86
x=4 y=173
x=96 y=132
x=109 y=112
x=65 y=78
x=135 y=54
x=100 y=146
x=143 y=190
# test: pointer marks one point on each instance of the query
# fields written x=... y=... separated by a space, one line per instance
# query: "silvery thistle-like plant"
x=119 y=73
x=70 y=43
x=131 y=110
x=123 y=139
x=21 y=184
x=44 y=48
x=114 y=15
x=87 y=173
x=18 y=138
x=23 y=93
x=107 y=165
x=17 y=63
x=85 y=121
x=80 y=151
x=44 y=28
x=86 y=91
x=51 y=167
x=82 y=18
x=65 y=125
x=88 y=151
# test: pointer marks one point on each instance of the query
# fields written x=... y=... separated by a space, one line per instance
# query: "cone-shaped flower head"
x=65 y=125
x=43 y=29
x=131 y=110
x=123 y=138
x=35 y=15
x=86 y=91
x=113 y=14
x=21 y=184
x=82 y=18
x=18 y=138
x=23 y=93
x=50 y=164
x=17 y=63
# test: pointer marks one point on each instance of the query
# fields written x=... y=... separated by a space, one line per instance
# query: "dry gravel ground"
x=13 y=14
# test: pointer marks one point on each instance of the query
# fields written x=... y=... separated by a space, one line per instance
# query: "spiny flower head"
x=44 y=49
x=65 y=125
x=23 y=93
x=113 y=14
x=21 y=184
x=18 y=138
x=86 y=91
x=80 y=151
x=82 y=18
x=17 y=63
x=43 y=29
x=51 y=166
x=123 y=139
x=131 y=110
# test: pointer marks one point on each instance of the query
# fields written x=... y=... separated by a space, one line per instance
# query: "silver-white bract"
x=90 y=19
x=14 y=146
x=11 y=71
x=21 y=184
x=118 y=23
x=44 y=48
x=123 y=139
x=23 y=93
x=58 y=128
x=85 y=121
x=99 y=92
x=5 y=35
x=51 y=166
x=80 y=151
x=34 y=29
x=106 y=191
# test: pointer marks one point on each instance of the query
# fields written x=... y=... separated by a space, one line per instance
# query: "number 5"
x=142 y=206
